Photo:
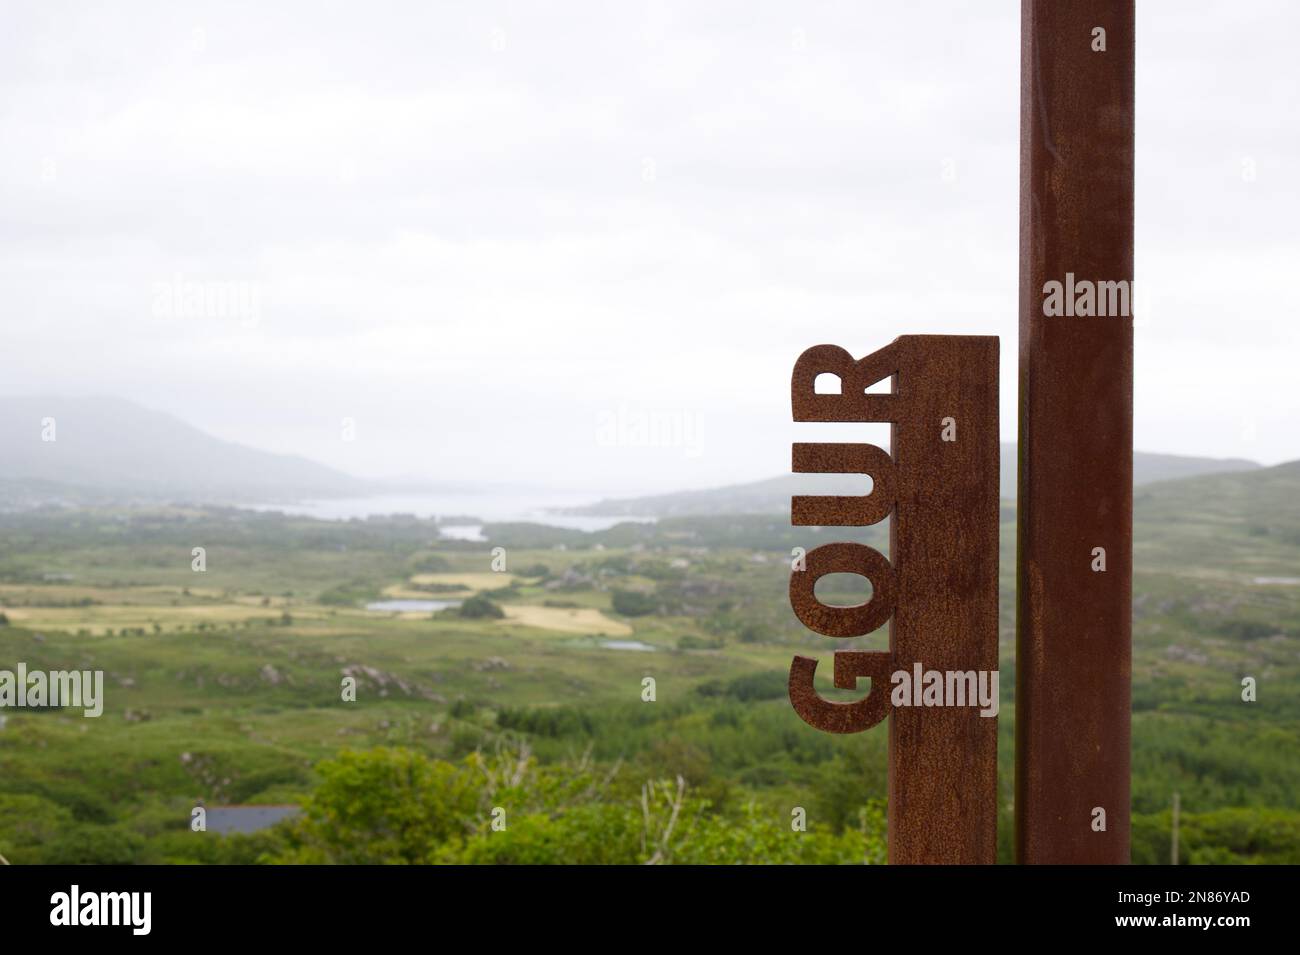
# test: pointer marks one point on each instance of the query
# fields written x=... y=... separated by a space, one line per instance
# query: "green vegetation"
x=351 y=594
x=387 y=806
x=224 y=687
x=632 y=603
x=479 y=607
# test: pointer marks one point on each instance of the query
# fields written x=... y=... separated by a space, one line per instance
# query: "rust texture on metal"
x=1076 y=432
x=938 y=590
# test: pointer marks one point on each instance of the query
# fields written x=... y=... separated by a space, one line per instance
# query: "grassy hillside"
x=225 y=687
x=772 y=495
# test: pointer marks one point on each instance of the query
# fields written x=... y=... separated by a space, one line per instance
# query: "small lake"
x=572 y=522
x=412 y=606
x=539 y=507
x=627 y=645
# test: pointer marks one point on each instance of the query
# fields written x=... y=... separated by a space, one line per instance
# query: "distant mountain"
x=1149 y=468
x=104 y=447
x=772 y=496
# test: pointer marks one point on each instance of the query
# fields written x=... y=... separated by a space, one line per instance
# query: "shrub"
x=430 y=564
x=633 y=603
x=480 y=607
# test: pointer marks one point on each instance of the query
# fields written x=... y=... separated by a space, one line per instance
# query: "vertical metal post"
x=1074 y=560
x=943 y=761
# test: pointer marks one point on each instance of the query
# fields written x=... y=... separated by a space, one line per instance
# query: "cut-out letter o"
x=844 y=558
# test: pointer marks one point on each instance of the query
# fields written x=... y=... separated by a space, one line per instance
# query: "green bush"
x=633 y=603
x=383 y=806
x=480 y=607
x=764 y=685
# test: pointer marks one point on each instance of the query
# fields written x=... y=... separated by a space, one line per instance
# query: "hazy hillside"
x=105 y=445
x=772 y=495
x=1242 y=524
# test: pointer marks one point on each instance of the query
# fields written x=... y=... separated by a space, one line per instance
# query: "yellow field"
x=584 y=620
x=97 y=619
x=475 y=582
x=24 y=593
x=144 y=606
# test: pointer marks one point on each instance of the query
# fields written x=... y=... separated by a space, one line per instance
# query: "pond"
x=412 y=606
x=627 y=645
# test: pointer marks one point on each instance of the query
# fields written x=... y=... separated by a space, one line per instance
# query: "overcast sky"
x=502 y=237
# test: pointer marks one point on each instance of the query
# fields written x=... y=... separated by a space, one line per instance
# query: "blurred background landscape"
x=513 y=678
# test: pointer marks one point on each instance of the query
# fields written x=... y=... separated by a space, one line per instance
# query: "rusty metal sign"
x=937 y=589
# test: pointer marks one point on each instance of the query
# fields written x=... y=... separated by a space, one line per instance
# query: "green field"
x=226 y=687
